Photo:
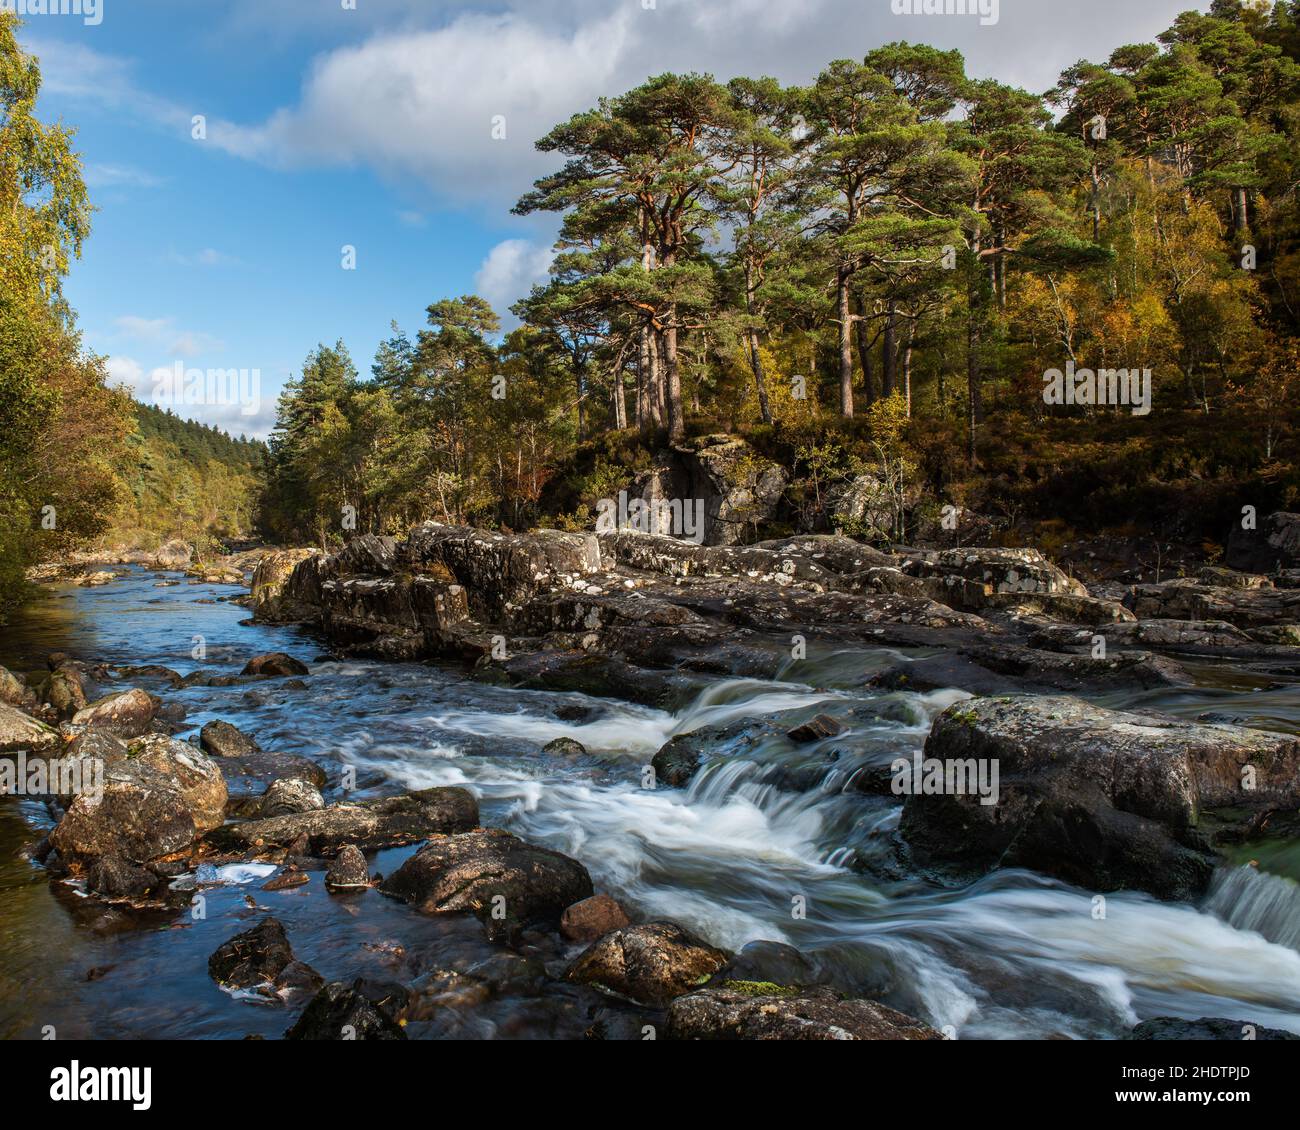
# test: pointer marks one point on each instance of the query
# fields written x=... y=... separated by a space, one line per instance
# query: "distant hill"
x=186 y=479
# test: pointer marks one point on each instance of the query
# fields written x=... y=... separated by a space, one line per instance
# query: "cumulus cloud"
x=163 y=333
x=238 y=401
x=509 y=272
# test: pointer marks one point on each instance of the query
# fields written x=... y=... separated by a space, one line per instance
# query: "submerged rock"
x=275 y=663
x=649 y=964
x=505 y=882
x=1106 y=799
x=1176 y=1028
x=386 y=822
x=565 y=747
x=340 y=1012
x=261 y=960
x=747 y=1010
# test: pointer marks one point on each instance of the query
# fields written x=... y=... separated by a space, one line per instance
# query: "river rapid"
x=770 y=841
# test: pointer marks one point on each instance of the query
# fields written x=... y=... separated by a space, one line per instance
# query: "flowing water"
x=769 y=842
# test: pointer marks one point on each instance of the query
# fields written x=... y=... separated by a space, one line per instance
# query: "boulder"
x=15 y=692
x=499 y=572
x=174 y=554
x=993 y=570
x=65 y=691
x=1102 y=798
x=290 y=795
x=197 y=777
x=731 y=488
x=1274 y=545
x=267 y=591
x=275 y=663
x=649 y=964
x=746 y=1010
x=348 y=871
x=565 y=747
x=21 y=732
x=1208 y=1028
x=116 y=880
x=261 y=961
x=140 y=816
x=340 y=1012
x=678 y=760
x=1185 y=599
x=128 y=714
x=497 y=877
x=221 y=739
x=592 y=918
x=370 y=824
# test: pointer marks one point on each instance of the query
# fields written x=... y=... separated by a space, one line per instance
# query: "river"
x=769 y=841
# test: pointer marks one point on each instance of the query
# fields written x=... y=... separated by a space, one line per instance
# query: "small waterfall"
x=1251 y=899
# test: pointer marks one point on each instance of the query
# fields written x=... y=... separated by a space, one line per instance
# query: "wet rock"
x=678 y=760
x=275 y=663
x=20 y=731
x=349 y=871
x=340 y=1012
x=116 y=879
x=1176 y=1028
x=290 y=795
x=743 y=1010
x=600 y=676
x=565 y=747
x=250 y=775
x=997 y=668
x=141 y=816
x=497 y=877
x=127 y=714
x=221 y=739
x=816 y=729
x=370 y=824
x=592 y=918
x=95 y=580
x=1104 y=799
x=261 y=960
x=649 y=964
x=772 y=963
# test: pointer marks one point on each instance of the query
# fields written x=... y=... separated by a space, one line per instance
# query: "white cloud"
x=509 y=272
x=163 y=333
x=120 y=176
x=244 y=405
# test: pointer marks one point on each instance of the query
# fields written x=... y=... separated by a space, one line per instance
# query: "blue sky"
x=372 y=127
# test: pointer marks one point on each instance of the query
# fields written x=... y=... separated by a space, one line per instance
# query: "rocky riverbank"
x=1108 y=800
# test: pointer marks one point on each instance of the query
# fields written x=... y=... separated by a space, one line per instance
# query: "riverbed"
x=769 y=842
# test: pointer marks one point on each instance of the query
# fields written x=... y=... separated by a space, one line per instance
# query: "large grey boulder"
x=1103 y=798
